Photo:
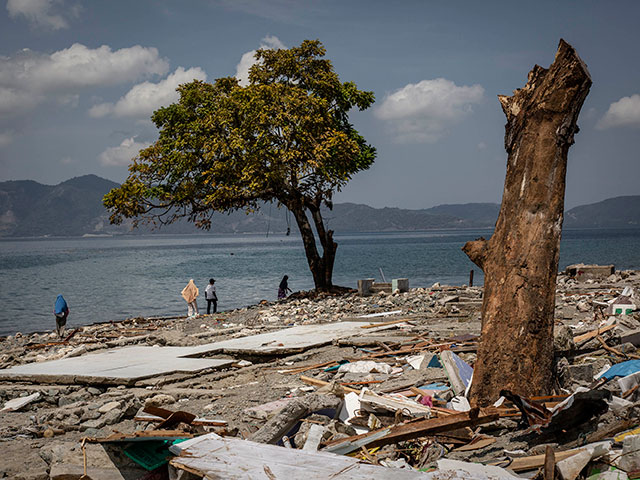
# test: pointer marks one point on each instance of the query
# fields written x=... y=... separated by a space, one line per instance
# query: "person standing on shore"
x=61 y=311
x=284 y=286
x=190 y=293
x=211 y=297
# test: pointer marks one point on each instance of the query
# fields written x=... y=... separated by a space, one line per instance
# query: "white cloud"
x=30 y=77
x=6 y=138
x=123 y=153
x=144 y=98
x=623 y=113
x=48 y=14
x=14 y=100
x=248 y=59
x=80 y=66
x=422 y=112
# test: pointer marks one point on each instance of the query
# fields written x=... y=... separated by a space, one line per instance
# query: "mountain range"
x=74 y=208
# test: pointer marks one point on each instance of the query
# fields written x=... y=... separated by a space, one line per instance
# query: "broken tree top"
x=520 y=261
x=570 y=79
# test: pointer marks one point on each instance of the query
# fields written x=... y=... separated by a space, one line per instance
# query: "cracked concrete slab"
x=288 y=340
x=126 y=365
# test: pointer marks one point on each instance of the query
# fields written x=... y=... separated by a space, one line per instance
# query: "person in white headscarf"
x=190 y=293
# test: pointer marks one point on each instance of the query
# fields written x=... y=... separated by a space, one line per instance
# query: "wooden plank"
x=549 y=464
x=305 y=368
x=366 y=382
x=592 y=334
x=321 y=383
x=476 y=444
x=419 y=428
x=197 y=421
x=523 y=464
x=140 y=436
x=629 y=392
x=382 y=324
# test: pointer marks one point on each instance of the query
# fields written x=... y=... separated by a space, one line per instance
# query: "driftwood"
x=520 y=261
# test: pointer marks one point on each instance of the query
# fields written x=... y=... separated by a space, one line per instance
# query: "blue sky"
x=79 y=80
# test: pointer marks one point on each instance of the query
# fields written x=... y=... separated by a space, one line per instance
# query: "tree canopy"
x=284 y=137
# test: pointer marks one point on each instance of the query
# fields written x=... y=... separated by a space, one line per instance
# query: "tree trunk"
x=329 y=247
x=321 y=266
x=520 y=261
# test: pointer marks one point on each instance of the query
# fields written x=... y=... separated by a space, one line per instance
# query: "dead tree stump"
x=520 y=261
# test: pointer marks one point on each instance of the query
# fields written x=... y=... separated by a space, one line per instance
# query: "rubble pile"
x=391 y=396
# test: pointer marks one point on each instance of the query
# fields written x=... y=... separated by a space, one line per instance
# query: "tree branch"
x=476 y=250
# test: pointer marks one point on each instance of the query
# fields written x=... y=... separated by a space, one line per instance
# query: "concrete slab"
x=119 y=366
x=288 y=340
x=126 y=365
x=235 y=459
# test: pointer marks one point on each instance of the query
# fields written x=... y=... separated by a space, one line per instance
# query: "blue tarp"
x=434 y=362
x=622 y=369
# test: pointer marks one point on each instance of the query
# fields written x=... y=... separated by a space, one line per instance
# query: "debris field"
x=325 y=387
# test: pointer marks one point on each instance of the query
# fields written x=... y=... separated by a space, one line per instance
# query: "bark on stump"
x=520 y=261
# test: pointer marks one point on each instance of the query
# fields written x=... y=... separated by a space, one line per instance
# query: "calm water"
x=113 y=278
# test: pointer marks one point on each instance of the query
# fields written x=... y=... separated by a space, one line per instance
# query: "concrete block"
x=582 y=272
x=364 y=287
x=108 y=463
x=580 y=373
x=381 y=287
x=631 y=336
x=401 y=284
x=630 y=459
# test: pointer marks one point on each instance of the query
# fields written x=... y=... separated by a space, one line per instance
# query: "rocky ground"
x=44 y=439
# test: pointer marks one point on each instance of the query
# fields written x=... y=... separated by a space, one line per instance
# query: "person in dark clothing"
x=284 y=286
x=211 y=297
x=61 y=311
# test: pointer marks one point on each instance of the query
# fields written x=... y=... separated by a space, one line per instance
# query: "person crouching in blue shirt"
x=61 y=311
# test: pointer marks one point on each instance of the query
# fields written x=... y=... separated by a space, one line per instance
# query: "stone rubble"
x=51 y=428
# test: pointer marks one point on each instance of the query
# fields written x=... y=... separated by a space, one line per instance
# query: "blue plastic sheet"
x=622 y=369
x=434 y=362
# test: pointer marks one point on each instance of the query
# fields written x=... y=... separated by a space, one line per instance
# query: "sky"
x=79 y=81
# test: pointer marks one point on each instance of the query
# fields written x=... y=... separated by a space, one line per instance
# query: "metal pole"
x=381 y=273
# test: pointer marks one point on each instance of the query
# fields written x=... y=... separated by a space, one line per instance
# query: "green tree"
x=283 y=138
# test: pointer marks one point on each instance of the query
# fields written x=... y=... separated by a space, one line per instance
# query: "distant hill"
x=351 y=217
x=613 y=212
x=74 y=208
x=482 y=214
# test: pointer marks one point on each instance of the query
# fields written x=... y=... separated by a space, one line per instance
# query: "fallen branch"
x=614 y=351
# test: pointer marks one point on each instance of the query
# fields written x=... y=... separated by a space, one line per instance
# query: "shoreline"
x=294 y=235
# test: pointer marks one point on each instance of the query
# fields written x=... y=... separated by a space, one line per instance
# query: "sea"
x=112 y=278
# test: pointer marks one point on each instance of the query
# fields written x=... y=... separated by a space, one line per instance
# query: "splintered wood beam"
x=412 y=430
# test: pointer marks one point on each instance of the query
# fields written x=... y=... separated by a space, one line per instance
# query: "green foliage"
x=285 y=137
